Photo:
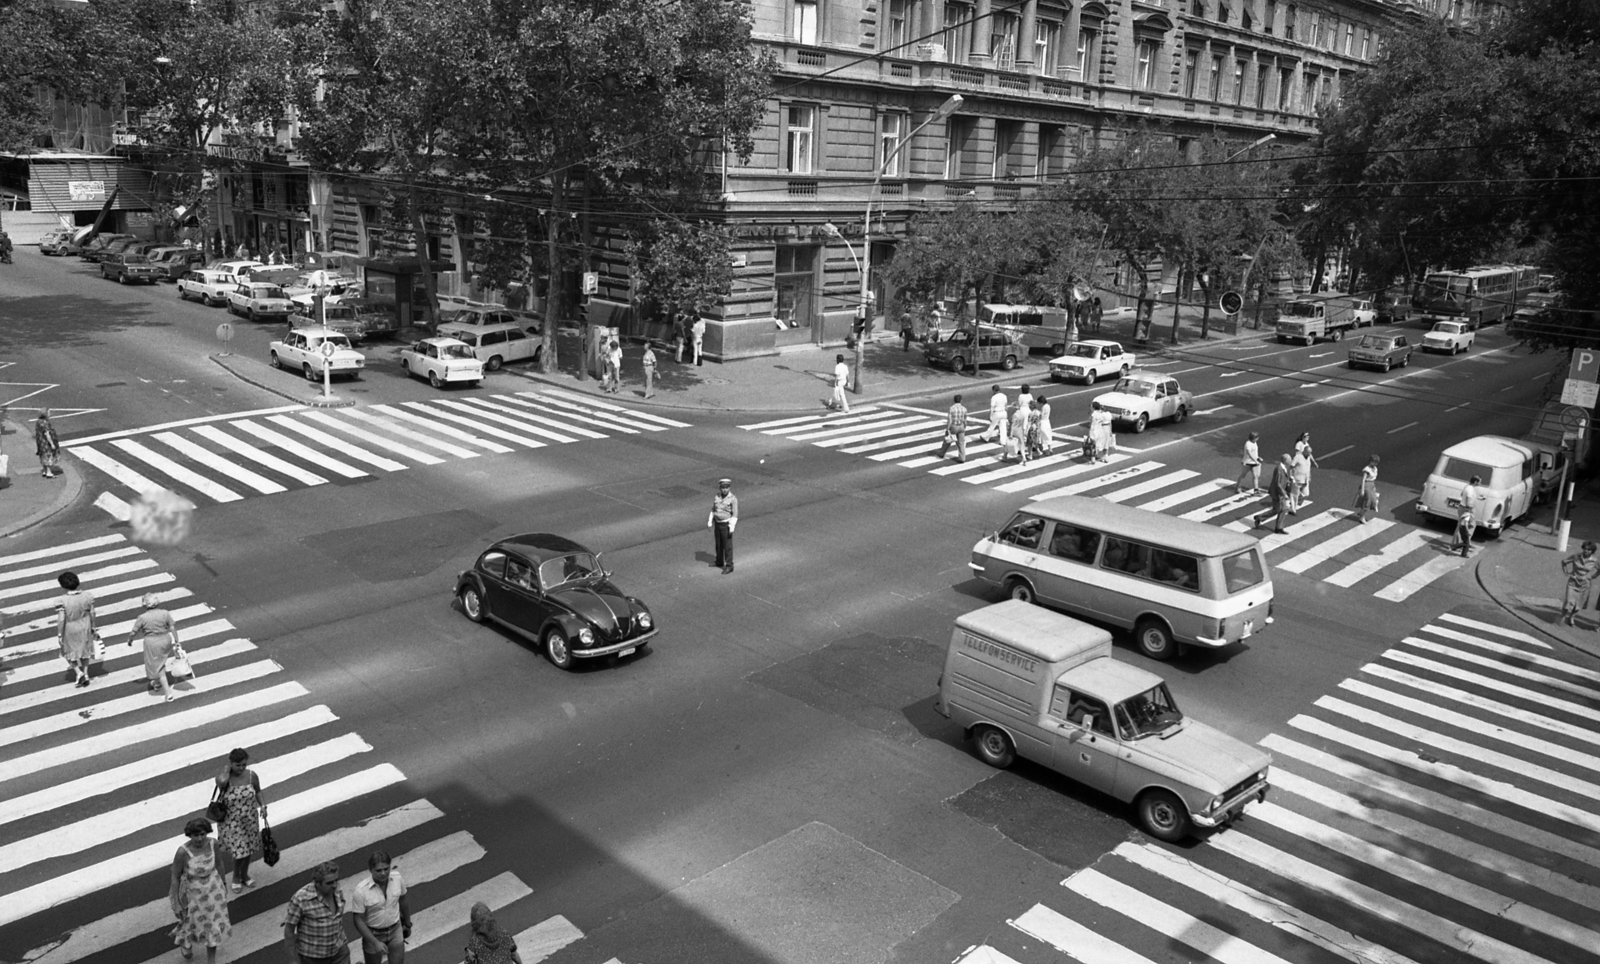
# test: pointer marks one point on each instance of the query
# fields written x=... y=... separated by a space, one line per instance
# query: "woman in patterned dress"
x=487 y=943
x=199 y=900
x=75 y=632
x=240 y=833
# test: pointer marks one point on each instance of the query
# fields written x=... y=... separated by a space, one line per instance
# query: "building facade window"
x=795 y=286
x=1147 y=55
x=1215 y=92
x=1366 y=43
x=1349 y=39
x=962 y=130
x=891 y=132
x=1047 y=47
x=1191 y=71
x=1003 y=40
x=1269 y=17
x=805 y=22
x=1333 y=32
x=897 y=35
x=1007 y=144
x=800 y=139
x=1088 y=54
x=1308 y=90
x=1285 y=88
x=1314 y=28
x=1052 y=139
x=958 y=31
x=1289 y=15
x=1261 y=86
x=1240 y=67
x=1223 y=13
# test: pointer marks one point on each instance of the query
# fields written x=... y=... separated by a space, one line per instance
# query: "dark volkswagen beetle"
x=556 y=593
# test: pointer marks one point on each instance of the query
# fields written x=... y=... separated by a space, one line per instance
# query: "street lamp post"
x=864 y=263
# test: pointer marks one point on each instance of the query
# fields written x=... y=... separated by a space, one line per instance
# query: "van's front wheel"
x=1155 y=640
x=1020 y=590
x=1164 y=816
x=994 y=747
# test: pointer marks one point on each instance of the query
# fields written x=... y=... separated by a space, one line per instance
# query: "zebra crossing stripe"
x=876 y=432
x=519 y=420
x=62 y=550
x=973 y=448
x=1446 y=804
x=372 y=438
x=448 y=915
x=435 y=413
x=982 y=954
x=110 y=631
x=56 y=694
x=1416 y=872
x=1185 y=495
x=1445 y=691
x=48 y=603
x=300 y=451
x=482 y=416
x=449 y=431
x=1373 y=901
x=1450 y=773
x=395 y=428
x=240 y=447
x=1056 y=475
x=125 y=925
x=1497 y=630
x=1253 y=903
x=1298 y=530
x=1391 y=553
x=621 y=419
x=1500 y=649
x=1120 y=475
x=126 y=866
x=845 y=427
x=173 y=470
x=1039 y=463
x=1165 y=919
x=935 y=433
x=18 y=732
x=579 y=401
x=1417 y=579
x=116 y=470
x=545 y=938
x=797 y=420
x=542 y=414
x=1461 y=675
x=1208 y=512
x=51 y=645
x=1150 y=485
x=227 y=467
x=51 y=568
x=1323 y=551
x=129 y=774
x=920 y=447
x=1070 y=937
x=181 y=423
x=90 y=832
x=1409 y=830
x=92 y=575
x=343 y=448
x=83 y=749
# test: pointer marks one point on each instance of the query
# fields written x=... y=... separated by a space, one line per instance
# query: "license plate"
x=1249 y=627
x=628 y=652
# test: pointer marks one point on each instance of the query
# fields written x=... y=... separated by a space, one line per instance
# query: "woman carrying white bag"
x=163 y=655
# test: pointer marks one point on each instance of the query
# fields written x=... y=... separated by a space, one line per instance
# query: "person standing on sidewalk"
x=1582 y=569
x=997 y=417
x=697 y=332
x=908 y=332
x=955 y=430
x=680 y=334
x=1282 y=492
x=380 y=913
x=1251 y=465
x=724 y=518
x=648 y=362
x=1466 y=521
x=841 y=378
x=1367 y=494
x=614 y=365
x=47 y=445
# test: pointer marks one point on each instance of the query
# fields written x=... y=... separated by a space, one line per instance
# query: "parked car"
x=340 y=317
x=1144 y=397
x=319 y=281
x=1091 y=360
x=237 y=271
x=1380 y=350
x=55 y=242
x=174 y=261
x=482 y=317
x=557 y=594
x=495 y=345
x=442 y=360
x=1513 y=476
x=128 y=268
x=302 y=350
x=981 y=345
x=102 y=244
x=259 y=301
x=1450 y=336
x=205 y=286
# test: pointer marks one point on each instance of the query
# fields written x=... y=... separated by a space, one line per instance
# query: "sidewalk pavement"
x=31 y=498
x=1523 y=575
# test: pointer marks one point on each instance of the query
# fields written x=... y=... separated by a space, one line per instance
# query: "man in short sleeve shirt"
x=724 y=518
x=379 y=911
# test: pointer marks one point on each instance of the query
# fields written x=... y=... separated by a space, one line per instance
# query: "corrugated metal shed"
x=83 y=184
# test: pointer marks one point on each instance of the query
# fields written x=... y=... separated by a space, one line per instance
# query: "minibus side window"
x=1241 y=570
x=1074 y=544
x=1176 y=569
x=1129 y=557
x=1023 y=532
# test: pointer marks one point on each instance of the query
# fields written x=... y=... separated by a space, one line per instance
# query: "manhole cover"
x=714 y=381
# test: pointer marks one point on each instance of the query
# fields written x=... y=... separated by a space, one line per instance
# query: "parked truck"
x=1310 y=317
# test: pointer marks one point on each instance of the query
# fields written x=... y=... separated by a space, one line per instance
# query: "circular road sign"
x=1231 y=302
x=1574 y=418
x=327 y=349
x=225 y=332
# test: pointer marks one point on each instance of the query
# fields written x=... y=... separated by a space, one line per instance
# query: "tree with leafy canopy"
x=680 y=265
x=41 y=40
x=964 y=249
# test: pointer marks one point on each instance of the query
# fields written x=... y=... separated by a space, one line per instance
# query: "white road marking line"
x=778 y=423
x=116 y=470
x=900 y=453
x=449 y=431
x=523 y=421
x=47 y=604
x=1512 y=651
x=55 y=694
x=475 y=425
x=183 y=423
x=1253 y=903
x=166 y=726
x=118 y=778
x=373 y=438
x=1388 y=555
x=320 y=459
x=256 y=455
x=606 y=406
x=1234 y=374
x=1234 y=501
x=973 y=449
x=1410 y=583
x=935 y=433
x=133 y=922
x=120 y=552
x=339 y=445
x=113 y=506
x=173 y=470
x=1007 y=471
x=1068 y=936
x=852 y=437
x=1444 y=803
x=1295 y=531
x=1166 y=920
x=617 y=418
x=1497 y=630
x=393 y=427
x=1336 y=452
x=1384 y=906
x=546 y=937
x=1455 y=674
x=1150 y=485
x=1456 y=653
x=1400 y=428
x=1120 y=475
x=227 y=467
x=445 y=917
x=65 y=548
x=1329 y=548
x=1212 y=411
x=1186 y=495
x=157 y=856
x=116 y=632
x=1462 y=674
x=1056 y=475
x=96 y=575
x=551 y=414
x=846 y=427
x=897 y=406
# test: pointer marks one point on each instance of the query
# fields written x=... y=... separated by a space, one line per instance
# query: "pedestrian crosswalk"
x=1439 y=806
x=229 y=458
x=97 y=783
x=1390 y=561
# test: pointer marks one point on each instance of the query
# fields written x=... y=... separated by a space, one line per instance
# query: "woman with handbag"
x=159 y=632
x=199 y=900
x=238 y=789
x=76 y=633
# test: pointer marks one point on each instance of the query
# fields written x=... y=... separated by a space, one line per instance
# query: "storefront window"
x=795 y=281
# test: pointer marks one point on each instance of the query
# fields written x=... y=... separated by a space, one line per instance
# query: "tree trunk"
x=553 y=308
x=1205 y=309
x=1322 y=265
x=424 y=262
x=1177 y=291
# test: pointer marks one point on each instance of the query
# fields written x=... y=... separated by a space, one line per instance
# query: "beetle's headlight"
x=586 y=636
x=645 y=622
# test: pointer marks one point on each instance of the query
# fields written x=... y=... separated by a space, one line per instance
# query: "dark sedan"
x=556 y=593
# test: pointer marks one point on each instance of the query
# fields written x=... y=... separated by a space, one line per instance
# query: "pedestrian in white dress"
x=1047 y=432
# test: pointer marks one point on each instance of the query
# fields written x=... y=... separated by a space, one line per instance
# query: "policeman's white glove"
x=733 y=524
x=709 y=518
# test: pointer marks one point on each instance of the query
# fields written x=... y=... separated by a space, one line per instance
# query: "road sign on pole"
x=1231 y=302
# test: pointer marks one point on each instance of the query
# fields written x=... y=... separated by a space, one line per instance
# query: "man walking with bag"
x=1466 y=521
x=1282 y=492
x=955 y=430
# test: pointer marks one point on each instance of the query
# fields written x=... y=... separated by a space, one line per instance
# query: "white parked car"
x=481 y=317
x=205 y=286
x=1450 y=336
x=1143 y=397
x=1089 y=361
x=302 y=350
x=1363 y=314
x=257 y=301
x=442 y=360
x=495 y=345
x=238 y=272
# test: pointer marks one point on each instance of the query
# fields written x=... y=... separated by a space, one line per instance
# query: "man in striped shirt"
x=313 y=929
x=955 y=430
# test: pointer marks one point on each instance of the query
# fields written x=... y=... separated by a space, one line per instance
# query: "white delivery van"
x=1514 y=478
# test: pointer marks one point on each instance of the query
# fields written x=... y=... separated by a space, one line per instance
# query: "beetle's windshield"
x=574 y=567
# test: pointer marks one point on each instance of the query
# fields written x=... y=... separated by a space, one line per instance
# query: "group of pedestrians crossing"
x=1290 y=487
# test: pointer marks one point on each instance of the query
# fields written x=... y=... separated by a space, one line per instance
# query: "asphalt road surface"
x=769 y=782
